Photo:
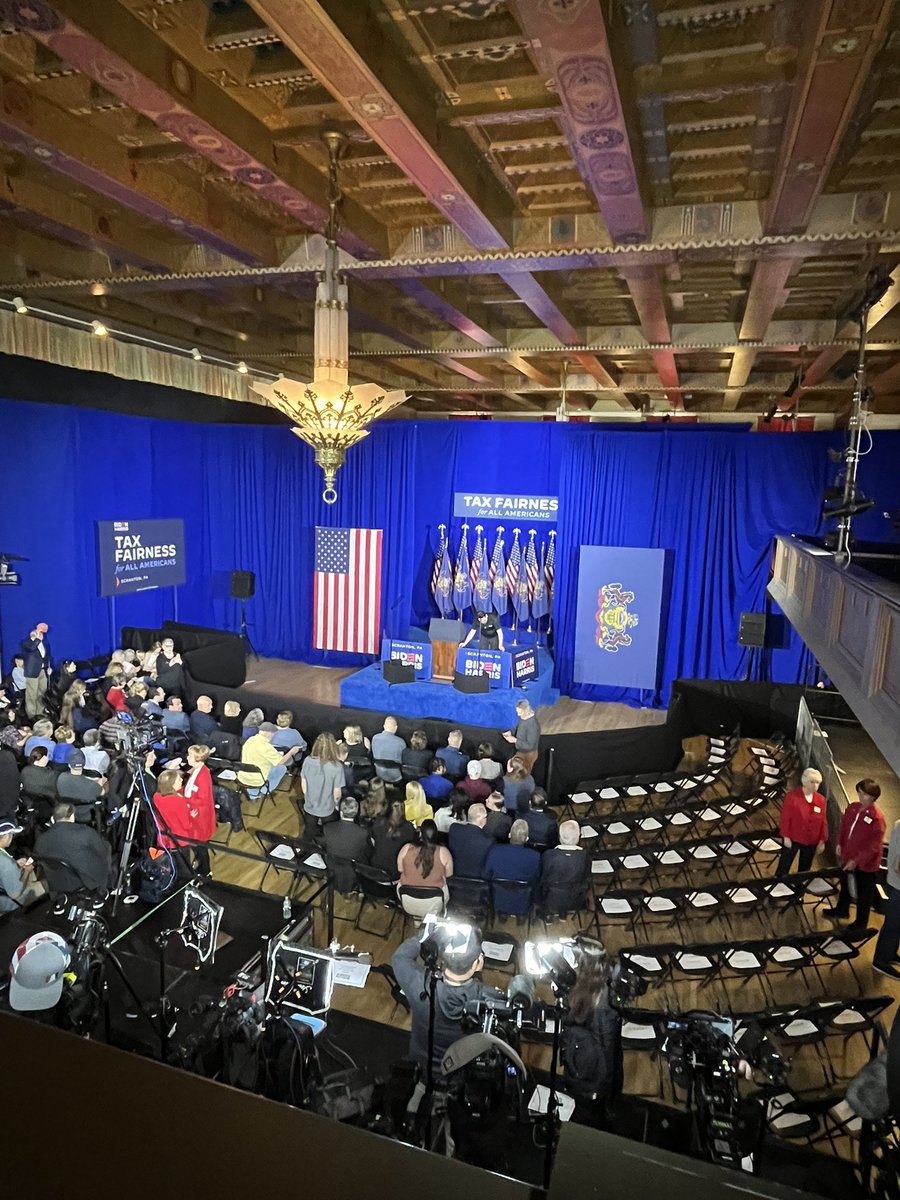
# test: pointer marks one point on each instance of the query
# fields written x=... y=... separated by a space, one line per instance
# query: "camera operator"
x=457 y=989
x=592 y=1038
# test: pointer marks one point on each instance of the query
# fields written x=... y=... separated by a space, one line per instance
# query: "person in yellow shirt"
x=258 y=751
x=417 y=807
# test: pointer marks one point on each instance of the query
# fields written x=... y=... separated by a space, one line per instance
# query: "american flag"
x=347 y=590
x=531 y=564
x=512 y=564
x=436 y=570
x=550 y=569
x=477 y=555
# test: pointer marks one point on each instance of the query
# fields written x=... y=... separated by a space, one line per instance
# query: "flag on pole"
x=531 y=563
x=539 y=605
x=481 y=588
x=477 y=556
x=462 y=583
x=442 y=591
x=518 y=590
x=438 y=558
x=512 y=566
x=499 y=594
x=550 y=570
x=347 y=590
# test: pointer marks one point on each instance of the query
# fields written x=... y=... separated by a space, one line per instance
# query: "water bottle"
x=286 y=908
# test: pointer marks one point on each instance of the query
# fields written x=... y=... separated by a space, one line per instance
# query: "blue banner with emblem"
x=411 y=654
x=493 y=663
x=524 y=666
x=619 y=616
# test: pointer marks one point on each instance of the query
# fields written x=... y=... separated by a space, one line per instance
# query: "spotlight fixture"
x=769 y=414
x=242 y=367
x=792 y=386
x=19 y=304
x=98 y=289
x=99 y=329
x=196 y=355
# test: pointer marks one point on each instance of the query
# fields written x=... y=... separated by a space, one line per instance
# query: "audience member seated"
x=417 y=807
x=476 y=788
x=490 y=768
x=452 y=756
x=416 y=756
x=75 y=786
x=452 y=813
x=72 y=710
x=388 y=747
x=565 y=873
x=175 y=719
x=42 y=735
x=470 y=844
x=358 y=754
x=169 y=668
x=259 y=752
x=67 y=675
x=18 y=886
x=231 y=718
x=14 y=682
x=436 y=786
x=389 y=834
x=137 y=694
x=373 y=802
x=95 y=757
x=321 y=780
x=80 y=847
x=115 y=692
x=183 y=820
x=423 y=863
x=39 y=782
x=203 y=724
x=109 y=730
x=9 y=783
x=518 y=787
x=12 y=736
x=346 y=842
x=252 y=721
x=286 y=735
x=155 y=702
x=64 y=743
x=514 y=862
x=543 y=829
x=499 y=822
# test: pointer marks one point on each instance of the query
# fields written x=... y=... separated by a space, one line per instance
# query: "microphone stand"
x=551 y=1119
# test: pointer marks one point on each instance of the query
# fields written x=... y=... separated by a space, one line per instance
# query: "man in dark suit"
x=515 y=862
x=345 y=841
x=470 y=843
x=542 y=827
x=565 y=872
x=36 y=655
x=81 y=847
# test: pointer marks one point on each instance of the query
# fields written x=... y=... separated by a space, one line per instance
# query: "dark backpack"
x=580 y=1055
x=157 y=875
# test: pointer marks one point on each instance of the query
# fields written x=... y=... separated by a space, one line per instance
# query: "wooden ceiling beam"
x=112 y=46
x=54 y=138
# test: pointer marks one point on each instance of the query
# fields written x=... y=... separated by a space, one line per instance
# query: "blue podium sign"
x=410 y=654
x=493 y=663
x=618 y=617
x=524 y=666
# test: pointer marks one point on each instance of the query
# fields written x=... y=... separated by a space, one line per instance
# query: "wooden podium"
x=445 y=636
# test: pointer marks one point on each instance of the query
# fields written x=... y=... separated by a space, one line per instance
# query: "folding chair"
x=418 y=902
x=789 y=956
x=511 y=889
x=635 y=866
x=645 y=1033
x=379 y=890
x=471 y=897
x=386 y=972
x=282 y=853
x=744 y=899
x=504 y=957
x=838 y=948
x=703 y=903
x=253 y=791
x=621 y=907
x=807 y=1026
x=705 y=855
x=653 y=964
x=847 y=1018
x=669 y=861
x=663 y=906
x=699 y=963
x=746 y=960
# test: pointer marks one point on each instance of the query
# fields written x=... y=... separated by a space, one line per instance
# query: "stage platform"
x=495 y=709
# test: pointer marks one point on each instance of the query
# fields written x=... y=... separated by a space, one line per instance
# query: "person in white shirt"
x=95 y=757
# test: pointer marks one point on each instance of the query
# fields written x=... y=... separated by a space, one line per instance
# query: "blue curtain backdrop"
x=250 y=499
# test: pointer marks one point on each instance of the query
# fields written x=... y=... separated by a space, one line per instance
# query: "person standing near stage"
x=36 y=665
x=488 y=629
x=803 y=825
x=860 y=845
x=884 y=960
x=525 y=734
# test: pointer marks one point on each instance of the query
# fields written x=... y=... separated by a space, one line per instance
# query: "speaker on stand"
x=752 y=634
x=243 y=588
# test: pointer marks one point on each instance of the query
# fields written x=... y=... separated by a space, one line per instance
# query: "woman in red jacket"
x=185 y=817
x=860 y=846
x=803 y=824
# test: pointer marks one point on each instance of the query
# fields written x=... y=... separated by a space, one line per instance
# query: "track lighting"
x=242 y=368
x=99 y=329
x=19 y=304
x=196 y=355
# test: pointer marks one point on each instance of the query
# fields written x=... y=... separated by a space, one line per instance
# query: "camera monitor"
x=299 y=979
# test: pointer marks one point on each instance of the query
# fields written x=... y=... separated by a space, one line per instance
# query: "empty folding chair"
x=744 y=899
x=378 y=890
x=645 y=1033
x=670 y=861
x=807 y=1026
x=838 y=948
x=501 y=951
x=698 y=963
x=849 y=1018
x=662 y=906
x=649 y=963
x=705 y=856
x=620 y=907
x=634 y=866
x=789 y=956
x=469 y=897
x=746 y=960
x=703 y=904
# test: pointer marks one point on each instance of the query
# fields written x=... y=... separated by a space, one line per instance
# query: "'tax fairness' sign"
x=137 y=555
x=505 y=508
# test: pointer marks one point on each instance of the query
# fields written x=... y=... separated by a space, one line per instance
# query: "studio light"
x=769 y=414
x=196 y=355
x=328 y=414
x=439 y=938
x=99 y=329
x=555 y=959
x=20 y=305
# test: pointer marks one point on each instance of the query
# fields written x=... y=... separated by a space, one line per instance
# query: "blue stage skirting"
x=493 y=710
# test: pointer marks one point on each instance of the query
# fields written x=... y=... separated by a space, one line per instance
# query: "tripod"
x=245 y=637
x=136 y=793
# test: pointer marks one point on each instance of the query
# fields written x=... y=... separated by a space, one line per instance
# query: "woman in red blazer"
x=803 y=824
x=860 y=848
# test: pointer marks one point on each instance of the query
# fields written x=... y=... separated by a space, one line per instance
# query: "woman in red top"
x=115 y=696
x=181 y=818
x=860 y=847
x=803 y=825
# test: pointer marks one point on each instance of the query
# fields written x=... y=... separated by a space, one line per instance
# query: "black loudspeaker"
x=397 y=672
x=472 y=685
x=243 y=585
x=752 y=630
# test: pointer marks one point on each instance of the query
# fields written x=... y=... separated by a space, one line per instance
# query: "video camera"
x=705 y=1062
x=136 y=738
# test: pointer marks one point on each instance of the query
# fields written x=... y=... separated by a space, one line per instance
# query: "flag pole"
x=551 y=595
x=532 y=534
x=541 y=579
x=521 y=563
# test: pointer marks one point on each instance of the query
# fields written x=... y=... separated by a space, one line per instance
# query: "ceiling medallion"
x=182 y=76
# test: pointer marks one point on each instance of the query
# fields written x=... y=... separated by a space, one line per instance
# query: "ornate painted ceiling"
x=673 y=205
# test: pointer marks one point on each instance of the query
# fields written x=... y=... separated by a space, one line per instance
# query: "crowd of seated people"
x=418 y=812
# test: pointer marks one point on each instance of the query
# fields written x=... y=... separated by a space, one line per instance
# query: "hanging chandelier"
x=329 y=414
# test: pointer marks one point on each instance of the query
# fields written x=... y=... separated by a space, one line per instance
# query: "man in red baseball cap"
x=36 y=652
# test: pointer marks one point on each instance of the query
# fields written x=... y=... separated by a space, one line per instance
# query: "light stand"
x=245 y=636
x=876 y=287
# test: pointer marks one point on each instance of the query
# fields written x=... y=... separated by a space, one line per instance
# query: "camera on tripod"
x=135 y=738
